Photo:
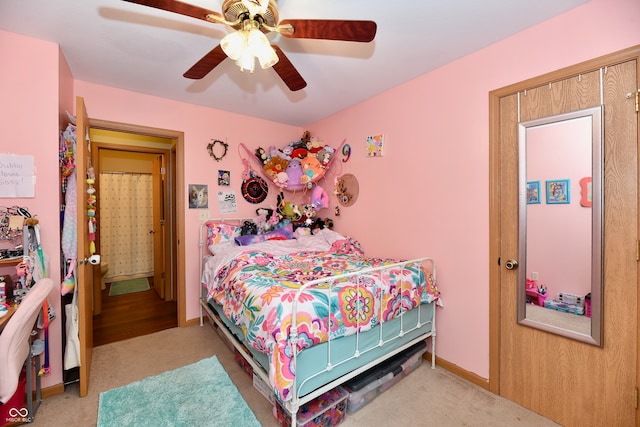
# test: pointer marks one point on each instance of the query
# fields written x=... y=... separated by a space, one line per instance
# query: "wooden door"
x=570 y=382
x=158 y=226
x=84 y=269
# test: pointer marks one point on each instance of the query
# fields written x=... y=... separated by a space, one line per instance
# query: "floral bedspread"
x=256 y=290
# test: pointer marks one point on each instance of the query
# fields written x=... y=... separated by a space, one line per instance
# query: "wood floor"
x=132 y=315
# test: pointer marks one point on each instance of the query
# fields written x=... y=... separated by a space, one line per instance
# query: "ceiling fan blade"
x=287 y=72
x=180 y=8
x=208 y=62
x=327 y=29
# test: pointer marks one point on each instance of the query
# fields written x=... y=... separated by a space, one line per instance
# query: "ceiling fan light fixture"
x=268 y=58
x=246 y=61
x=256 y=7
x=259 y=45
x=234 y=44
x=247 y=44
x=247 y=16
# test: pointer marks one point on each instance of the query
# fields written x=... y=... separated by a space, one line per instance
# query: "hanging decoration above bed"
x=298 y=165
x=347 y=189
x=254 y=189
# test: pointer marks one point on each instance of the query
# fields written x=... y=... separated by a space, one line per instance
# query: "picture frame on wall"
x=224 y=177
x=198 y=196
x=375 y=145
x=533 y=192
x=558 y=191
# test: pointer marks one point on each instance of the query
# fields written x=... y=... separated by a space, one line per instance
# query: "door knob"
x=93 y=260
x=511 y=264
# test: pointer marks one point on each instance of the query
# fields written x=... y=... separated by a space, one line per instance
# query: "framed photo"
x=533 y=192
x=198 y=196
x=375 y=145
x=224 y=177
x=558 y=191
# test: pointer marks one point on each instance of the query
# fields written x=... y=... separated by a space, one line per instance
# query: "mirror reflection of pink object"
x=586 y=192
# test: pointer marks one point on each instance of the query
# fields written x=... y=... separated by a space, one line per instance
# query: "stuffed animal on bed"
x=287 y=209
x=248 y=228
x=266 y=220
x=308 y=214
x=320 y=223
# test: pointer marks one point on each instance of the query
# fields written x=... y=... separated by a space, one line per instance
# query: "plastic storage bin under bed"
x=368 y=385
x=327 y=410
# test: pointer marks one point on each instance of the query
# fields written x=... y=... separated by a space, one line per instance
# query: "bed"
x=309 y=312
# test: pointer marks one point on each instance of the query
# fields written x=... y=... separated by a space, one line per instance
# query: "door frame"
x=161 y=240
x=176 y=208
x=495 y=312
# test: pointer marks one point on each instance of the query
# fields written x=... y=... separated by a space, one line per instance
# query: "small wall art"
x=217 y=149
x=346 y=152
x=198 y=196
x=347 y=189
x=558 y=191
x=533 y=192
x=224 y=178
x=227 y=201
x=375 y=145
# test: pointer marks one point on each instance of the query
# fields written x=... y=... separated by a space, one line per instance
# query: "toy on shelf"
x=536 y=293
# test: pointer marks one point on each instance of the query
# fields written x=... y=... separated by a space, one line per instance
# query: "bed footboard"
x=388 y=338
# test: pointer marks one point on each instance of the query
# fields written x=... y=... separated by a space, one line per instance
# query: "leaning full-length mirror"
x=560 y=224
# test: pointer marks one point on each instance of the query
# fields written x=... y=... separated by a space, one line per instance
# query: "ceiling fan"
x=252 y=19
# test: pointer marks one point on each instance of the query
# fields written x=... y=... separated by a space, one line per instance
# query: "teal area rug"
x=129 y=286
x=200 y=394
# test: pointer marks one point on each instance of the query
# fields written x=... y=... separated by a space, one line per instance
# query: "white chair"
x=16 y=346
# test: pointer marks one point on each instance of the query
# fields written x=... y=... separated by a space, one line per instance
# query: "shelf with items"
x=9 y=262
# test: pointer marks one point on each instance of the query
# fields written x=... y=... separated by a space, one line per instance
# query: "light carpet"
x=129 y=286
x=200 y=394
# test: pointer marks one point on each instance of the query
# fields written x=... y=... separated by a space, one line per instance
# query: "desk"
x=4 y=319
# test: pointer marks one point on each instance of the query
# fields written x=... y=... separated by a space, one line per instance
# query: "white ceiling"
x=138 y=48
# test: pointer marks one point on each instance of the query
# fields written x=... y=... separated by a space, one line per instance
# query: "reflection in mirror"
x=560 y=229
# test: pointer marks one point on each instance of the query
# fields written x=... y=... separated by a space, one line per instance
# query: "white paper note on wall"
x=227 y=201
x=17 y=176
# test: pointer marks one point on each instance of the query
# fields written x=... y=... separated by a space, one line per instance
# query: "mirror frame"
x=597 y=280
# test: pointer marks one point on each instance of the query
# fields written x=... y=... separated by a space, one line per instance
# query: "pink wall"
x=428 y=195
x=29 y=83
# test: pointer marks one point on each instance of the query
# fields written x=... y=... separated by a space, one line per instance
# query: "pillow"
x=218 y=233
x=222 y=247
x=282 y=233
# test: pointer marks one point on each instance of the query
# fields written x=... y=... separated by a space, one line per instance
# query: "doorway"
x=568 y=381
x=135 y=215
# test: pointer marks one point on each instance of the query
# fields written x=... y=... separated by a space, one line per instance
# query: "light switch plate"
x=203 y=214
